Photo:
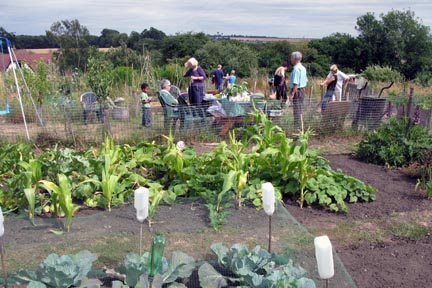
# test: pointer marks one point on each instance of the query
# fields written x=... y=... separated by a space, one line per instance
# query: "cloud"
x=271 y=18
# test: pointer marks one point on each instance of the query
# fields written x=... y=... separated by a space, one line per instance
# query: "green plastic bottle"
x=156 y=253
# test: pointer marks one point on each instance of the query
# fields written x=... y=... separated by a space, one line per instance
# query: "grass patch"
x=409 y=231
x=352 y=232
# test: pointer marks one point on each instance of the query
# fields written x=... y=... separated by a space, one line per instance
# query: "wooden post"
x=410 y=99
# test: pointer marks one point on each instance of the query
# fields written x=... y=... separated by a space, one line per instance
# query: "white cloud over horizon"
x=309 y=19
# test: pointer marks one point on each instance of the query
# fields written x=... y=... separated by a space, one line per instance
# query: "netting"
x=69 y=122
x=184 y=226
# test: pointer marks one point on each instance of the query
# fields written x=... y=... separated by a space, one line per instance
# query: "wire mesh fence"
x=69 y=122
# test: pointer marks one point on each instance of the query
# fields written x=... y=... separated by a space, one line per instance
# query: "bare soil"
x=381 y=259
x=373 y=256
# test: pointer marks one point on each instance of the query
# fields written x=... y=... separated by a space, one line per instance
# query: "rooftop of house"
x=29 y=56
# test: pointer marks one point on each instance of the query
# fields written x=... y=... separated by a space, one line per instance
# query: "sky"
x=295 y=19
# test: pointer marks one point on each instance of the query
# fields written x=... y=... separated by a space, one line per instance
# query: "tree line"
x=397 y=39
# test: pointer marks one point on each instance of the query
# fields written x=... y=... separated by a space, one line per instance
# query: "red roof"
x=23 y=55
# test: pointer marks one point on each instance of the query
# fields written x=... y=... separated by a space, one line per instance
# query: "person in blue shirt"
x=231 y=78
x=218 y=76
x=298 y=82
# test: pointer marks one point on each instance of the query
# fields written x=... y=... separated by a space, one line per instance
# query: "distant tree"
x=398 y=40
x=182 y=45
x=231 y=54
x=111 y=38
x=341 y=49
x=133 y=38
x=123 y=56
x=272 y=54
x=71 y=37
x=153 y=33
x=4 y=33
x=32 y=42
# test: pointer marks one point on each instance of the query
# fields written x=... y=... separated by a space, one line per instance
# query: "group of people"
x=297 y=85
x=295 y=94
x=218 y=78
x=298 y=81
x=197 y=76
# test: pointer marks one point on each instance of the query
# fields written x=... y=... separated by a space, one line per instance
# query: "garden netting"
x=67 y=121
x=184 y=225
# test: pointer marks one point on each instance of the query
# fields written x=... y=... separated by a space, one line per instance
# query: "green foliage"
x=72 y=38
x=136 y=269
x=342 y=49
x=398 y=40
x=99 y=76
x=235 y=89
x=61 y=197
x=412 y=232
x=425 y=181
x=254 y=268
x=424 y=78
x=182 y=45
x=397 y=143
x=381 y=74
x=272 y=54
x=59 y=271
x=231 y=54
x=229 y=175
x=38 y=82
x=173 y=71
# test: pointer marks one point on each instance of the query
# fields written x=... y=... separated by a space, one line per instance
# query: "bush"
x=397 y=143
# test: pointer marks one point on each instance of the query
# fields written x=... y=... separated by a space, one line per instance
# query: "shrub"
x=396 y=143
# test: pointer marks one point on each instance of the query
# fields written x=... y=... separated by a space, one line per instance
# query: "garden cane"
x=141 y=203
x=1 y=248
x=269 y=200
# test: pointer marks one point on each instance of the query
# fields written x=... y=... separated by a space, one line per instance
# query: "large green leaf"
x=210 y=278
x=180 y=265
x=30 y=195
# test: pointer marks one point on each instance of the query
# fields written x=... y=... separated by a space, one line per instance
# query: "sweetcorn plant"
x=61 y=198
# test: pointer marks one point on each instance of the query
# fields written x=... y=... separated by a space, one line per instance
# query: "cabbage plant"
x=253 y=268
x=59 y=271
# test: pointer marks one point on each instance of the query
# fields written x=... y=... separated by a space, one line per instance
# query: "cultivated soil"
x=369 y=239
x=372 y=254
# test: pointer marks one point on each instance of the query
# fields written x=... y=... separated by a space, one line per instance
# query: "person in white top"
x=341 y=78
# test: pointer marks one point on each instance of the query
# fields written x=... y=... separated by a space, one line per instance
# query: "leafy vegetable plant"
x=253 y=268
x=59 y=271
x=136 y=268
x=61 y=196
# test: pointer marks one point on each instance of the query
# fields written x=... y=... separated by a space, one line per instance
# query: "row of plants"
x=400 y=143
x=57 y=180
x=240 y=266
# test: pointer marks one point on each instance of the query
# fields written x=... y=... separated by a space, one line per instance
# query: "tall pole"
x=3 y=262
x=270 y=226
x=19 y=93
x=140 y=248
